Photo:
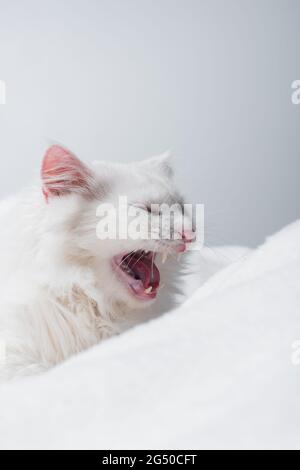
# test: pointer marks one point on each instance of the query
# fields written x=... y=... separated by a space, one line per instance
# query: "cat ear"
x=162 y=163
x=63 y=173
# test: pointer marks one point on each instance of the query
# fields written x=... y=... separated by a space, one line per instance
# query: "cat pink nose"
x=188 y=236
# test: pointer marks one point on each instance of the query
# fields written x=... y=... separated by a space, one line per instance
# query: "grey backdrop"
x=125 y=79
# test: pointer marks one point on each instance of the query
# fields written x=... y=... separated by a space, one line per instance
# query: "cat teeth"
x=164 y=257
x=147 y=291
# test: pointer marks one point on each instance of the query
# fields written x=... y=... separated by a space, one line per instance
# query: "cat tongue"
x=146 y=270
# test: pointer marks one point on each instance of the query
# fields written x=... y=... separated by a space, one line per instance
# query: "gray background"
x=125 y=79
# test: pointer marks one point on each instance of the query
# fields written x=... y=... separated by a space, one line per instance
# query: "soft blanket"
x=221 y=371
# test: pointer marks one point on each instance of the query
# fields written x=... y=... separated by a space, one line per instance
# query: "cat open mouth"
x=139 y=273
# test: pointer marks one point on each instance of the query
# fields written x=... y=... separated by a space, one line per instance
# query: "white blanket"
x=222 y=371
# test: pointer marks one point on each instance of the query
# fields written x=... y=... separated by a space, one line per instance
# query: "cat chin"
x=132 y=303
x=134 y=300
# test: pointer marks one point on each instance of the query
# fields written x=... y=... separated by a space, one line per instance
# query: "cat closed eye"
x=151 y=209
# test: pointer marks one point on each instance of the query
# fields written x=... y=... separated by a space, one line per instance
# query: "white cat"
x=63 y=289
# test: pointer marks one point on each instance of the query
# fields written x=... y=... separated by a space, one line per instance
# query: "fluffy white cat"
x=62 y=288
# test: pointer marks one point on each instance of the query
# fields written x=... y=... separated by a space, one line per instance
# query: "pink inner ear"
x=63 y=173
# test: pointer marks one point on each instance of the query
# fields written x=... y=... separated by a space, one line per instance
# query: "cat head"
x=127 y=269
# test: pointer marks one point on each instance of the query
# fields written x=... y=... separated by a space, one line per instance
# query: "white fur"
x=58 y=292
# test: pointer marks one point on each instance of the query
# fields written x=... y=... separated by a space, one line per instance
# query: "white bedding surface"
x=219 y=372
